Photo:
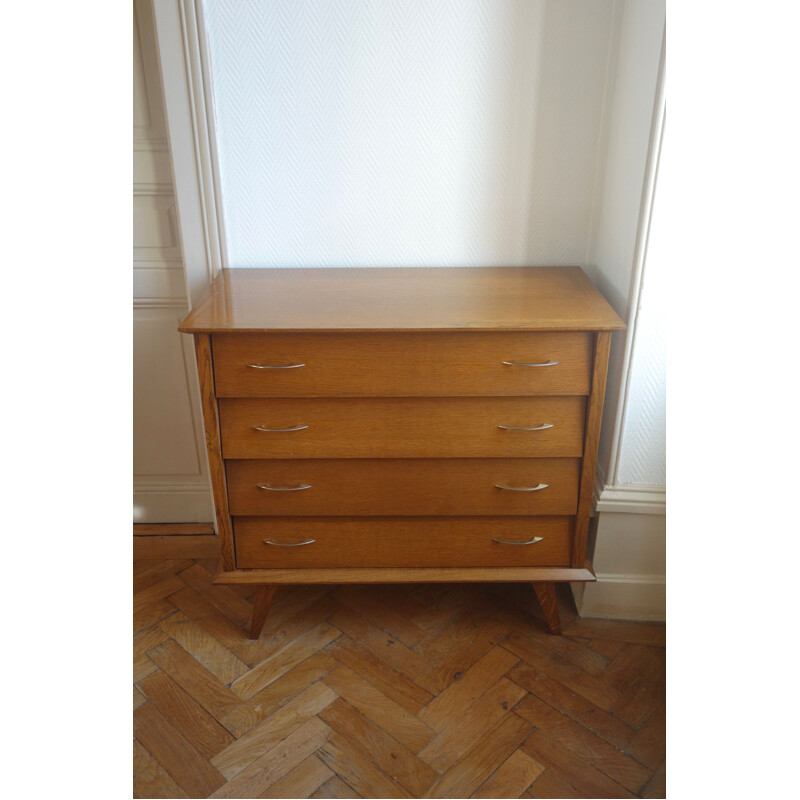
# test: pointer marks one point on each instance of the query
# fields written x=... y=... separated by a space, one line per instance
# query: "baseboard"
x=631 y=499
x=176 y=546
x=174 y=503
x=172 y=529
x=630 y=597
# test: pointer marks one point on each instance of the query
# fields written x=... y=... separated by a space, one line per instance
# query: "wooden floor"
x=387 y=691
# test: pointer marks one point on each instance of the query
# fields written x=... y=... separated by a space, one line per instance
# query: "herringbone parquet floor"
x=387 y=691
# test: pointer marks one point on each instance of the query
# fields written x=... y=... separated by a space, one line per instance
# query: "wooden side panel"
x=401 y=541
x=205 y=370
x=594 y=417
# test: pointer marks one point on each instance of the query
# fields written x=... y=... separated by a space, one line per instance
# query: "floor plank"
x=175 y=753
x=387 y=691
x=467 y=774
x=201 y=730
x=391 y=757
x=512 y=778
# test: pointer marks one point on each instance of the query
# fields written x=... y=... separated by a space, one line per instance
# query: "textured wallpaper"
x=643 y=454
x=408 y=132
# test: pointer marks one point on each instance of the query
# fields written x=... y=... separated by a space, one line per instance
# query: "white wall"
x=410 y=132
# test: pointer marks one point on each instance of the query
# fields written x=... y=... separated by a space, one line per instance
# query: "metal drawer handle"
x=522 y=364
x=522 y=488
x=278 y=430
x=275 y=366
x=271 y=488
x=289 y=544
x=508 y=541
x=519 y=428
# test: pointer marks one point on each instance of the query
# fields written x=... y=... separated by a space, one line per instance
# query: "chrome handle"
x=289 y=544
x=540 y=364
x=508 y=541
x=275 y=366
x=278 y=430
x=284 y=488
x=519 y=428
x=522 y=488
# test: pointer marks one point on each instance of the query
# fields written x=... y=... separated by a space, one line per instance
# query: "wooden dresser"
x=402 y=425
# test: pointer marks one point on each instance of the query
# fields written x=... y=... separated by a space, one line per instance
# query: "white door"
x=169 y=462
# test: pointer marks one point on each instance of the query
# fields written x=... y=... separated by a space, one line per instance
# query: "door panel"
x=169 y=463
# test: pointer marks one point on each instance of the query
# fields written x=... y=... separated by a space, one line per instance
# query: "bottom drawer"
x=401 y=541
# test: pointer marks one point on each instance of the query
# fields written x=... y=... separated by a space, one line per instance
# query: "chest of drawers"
x=401 y=425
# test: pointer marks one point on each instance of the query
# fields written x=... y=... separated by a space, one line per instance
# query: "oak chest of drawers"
x=400 y=425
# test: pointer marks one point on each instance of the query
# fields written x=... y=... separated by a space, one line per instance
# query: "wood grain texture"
x=513 y=777
x=402 y=427
x=402 y=541
x=401 y=364
x=150 y=779
x=205 y=372
x=389 y=487
x=376 y=745
x=407 y=690
x=546 y=595
x=175 y=753
x=262 y=600
x=594 y=418
x=403 y=299
x=201 y=730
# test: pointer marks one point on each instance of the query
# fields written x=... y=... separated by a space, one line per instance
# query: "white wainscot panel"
x=157 y=283
x=148 y=107
x=165 y=422
x=151 y=169
x=155 y=235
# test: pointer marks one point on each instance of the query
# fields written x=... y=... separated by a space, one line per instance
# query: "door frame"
x=189 y=107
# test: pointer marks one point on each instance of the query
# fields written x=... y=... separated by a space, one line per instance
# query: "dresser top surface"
x=401 y=299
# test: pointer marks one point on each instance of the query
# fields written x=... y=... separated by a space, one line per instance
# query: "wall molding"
x=180 y=32
x=630 y=498
x=142 y=145
x=159 y=302
x=169 y=487
x=163 y=263
x=633 y=499
x=141 y=188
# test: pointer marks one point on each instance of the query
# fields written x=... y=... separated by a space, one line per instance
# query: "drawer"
x=399 y=427
x=401 y=542
x=401 y=364
x=397 y=487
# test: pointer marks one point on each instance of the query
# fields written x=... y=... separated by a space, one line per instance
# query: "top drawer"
x=401 y=364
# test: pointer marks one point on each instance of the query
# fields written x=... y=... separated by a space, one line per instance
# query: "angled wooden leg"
x=546 y=595
x=261 y=603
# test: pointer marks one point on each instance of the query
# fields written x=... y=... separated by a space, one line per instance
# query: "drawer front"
x=401 y=364
x=398 y=487
x=401 y=542
x=450 y=427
